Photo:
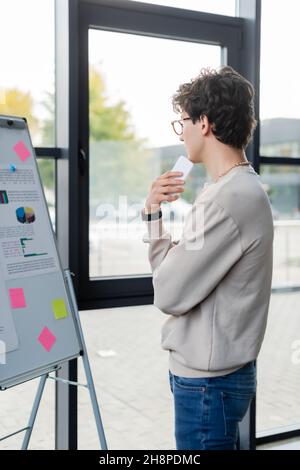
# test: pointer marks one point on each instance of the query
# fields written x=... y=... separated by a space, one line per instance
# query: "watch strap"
x=149 y=217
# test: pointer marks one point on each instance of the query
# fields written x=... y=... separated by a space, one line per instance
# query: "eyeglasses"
x=178 y=125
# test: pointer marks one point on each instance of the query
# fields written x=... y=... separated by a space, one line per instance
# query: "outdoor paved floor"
x=133 y=389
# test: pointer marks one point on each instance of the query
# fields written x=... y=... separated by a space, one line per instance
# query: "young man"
x=215 y=283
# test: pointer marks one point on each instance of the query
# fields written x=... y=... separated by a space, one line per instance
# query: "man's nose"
x=181 y=138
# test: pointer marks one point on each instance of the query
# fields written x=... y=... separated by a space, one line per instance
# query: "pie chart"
x=25 y=215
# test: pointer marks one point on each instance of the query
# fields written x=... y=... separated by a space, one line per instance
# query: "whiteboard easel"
x=38 y=309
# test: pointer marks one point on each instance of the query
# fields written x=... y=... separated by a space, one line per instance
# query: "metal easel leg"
x=87 y=368
x=94 y=401
x=34 y=411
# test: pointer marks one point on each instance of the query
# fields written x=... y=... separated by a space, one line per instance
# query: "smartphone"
x=183 y=164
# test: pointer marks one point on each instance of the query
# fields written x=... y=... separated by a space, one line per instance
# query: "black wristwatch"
x=150 y=217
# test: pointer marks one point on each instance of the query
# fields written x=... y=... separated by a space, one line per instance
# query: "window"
x=282 y=184
x=279 y=89
x=27 y=65
x=278 y=364
x=132 y=141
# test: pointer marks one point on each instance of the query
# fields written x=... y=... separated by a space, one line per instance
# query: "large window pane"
x=280 y=69
x=132 y=141
x=27 y=65
x=278 y=408
x=219 y=7
x=282 y=184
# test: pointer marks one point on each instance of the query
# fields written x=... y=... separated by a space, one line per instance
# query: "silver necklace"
x=237 y=164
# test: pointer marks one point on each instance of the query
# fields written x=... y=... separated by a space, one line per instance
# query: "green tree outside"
x=120 y=163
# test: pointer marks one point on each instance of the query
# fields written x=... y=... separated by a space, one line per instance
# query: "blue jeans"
x=208 y=410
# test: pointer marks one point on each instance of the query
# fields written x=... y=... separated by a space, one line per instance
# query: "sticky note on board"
x=47 y=339
x=59 y=309
x=22 y=151
x=17 y=297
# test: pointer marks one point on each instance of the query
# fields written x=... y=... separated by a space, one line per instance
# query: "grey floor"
x=131 y=376
x=132 y=386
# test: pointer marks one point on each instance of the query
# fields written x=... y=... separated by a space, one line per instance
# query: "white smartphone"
x=183 y=164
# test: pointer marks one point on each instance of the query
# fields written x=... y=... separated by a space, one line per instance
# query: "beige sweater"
x=215 y=282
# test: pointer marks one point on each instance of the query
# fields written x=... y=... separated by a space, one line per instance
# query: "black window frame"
x=50 y=153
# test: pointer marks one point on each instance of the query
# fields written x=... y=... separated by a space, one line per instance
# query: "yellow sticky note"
x=59 y=309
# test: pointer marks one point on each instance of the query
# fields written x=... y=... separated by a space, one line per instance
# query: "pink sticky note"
x=22 y=151
x=17 y=298
x=47 y=339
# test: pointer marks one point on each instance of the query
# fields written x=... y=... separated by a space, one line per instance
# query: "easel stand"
x=90 y=383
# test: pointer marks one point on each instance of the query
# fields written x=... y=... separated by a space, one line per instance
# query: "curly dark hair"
x=226 y=98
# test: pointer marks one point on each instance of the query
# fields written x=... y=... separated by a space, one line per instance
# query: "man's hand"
x=164 y=188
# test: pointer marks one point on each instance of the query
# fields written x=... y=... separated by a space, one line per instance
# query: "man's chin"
x=194 y=159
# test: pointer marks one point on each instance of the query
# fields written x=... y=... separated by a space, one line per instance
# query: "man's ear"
x=205 y=125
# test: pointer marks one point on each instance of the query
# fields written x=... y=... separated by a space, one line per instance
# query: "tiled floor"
x=132 y=385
